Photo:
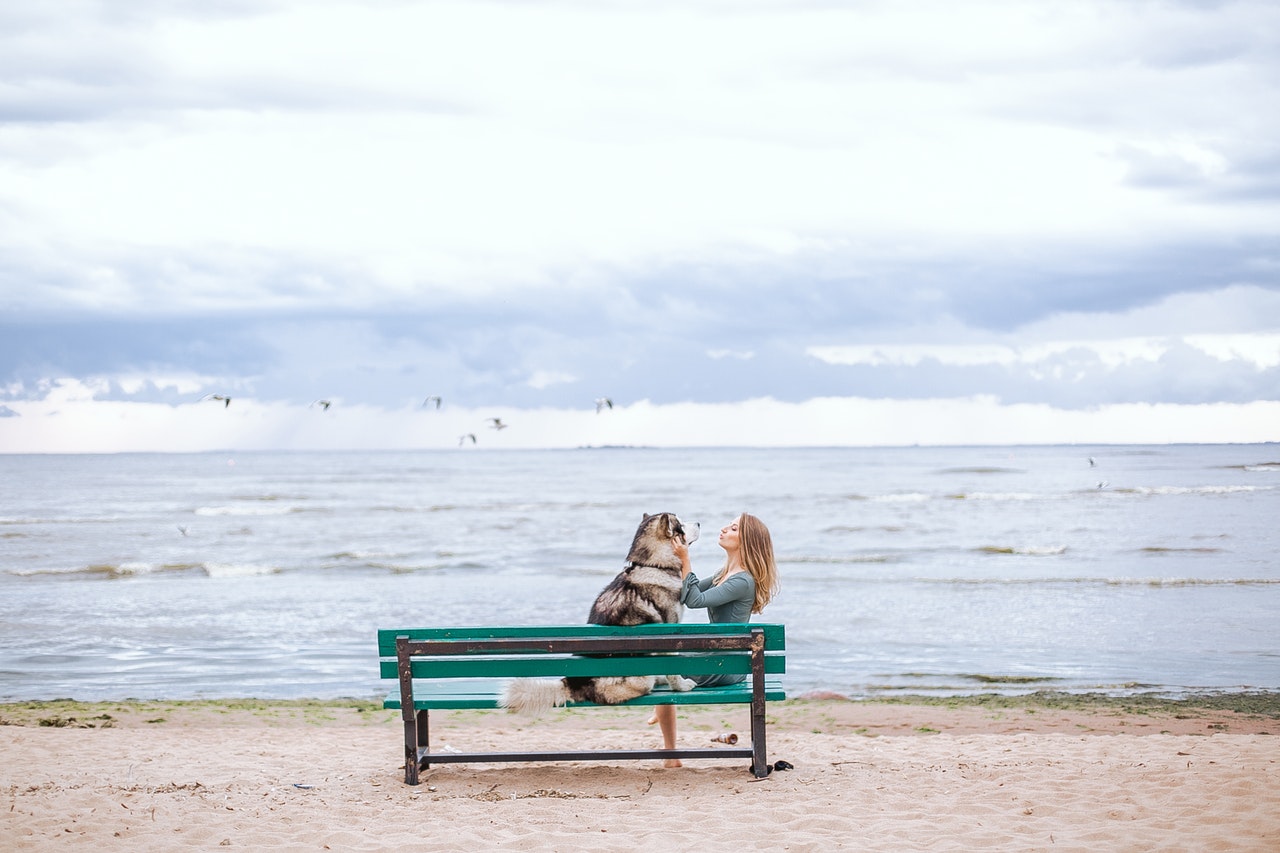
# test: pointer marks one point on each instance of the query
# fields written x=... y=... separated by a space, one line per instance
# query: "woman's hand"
x=681 y=551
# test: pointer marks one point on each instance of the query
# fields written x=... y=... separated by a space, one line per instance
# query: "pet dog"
x=646 y=591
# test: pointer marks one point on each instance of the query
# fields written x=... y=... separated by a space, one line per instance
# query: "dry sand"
x=1086 y=776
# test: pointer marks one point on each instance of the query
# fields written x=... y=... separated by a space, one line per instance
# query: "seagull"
x=498 y=424
x=437 y=400
x=462 y=438
x=1103 y=484
x=603 y=402
x=1091 y=462
x=324 y=404
x=226 y=401
x=182 y=528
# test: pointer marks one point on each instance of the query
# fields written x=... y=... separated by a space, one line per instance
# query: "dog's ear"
x=668 y=527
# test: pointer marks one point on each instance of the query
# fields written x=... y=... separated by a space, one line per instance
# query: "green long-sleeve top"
x=728 y=601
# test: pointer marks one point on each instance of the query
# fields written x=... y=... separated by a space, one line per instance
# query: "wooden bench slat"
x=775 y=636
x=456 y=696
x=547 y=665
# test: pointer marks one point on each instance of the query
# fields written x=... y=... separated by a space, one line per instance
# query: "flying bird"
x=434 y=398
x=1091 y=462
x=182 y=528
x=324 y=404
x=602 y=403
x=226 y=401
x=462 y=438
x=496 y=423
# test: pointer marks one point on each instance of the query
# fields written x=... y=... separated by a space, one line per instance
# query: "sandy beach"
x=993 y=774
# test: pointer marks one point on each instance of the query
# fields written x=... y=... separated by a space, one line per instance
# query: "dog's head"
x=654 y=537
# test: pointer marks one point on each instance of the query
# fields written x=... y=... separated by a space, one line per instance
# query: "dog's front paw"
x=680 y=684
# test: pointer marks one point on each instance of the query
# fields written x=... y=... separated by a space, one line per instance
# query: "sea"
x=926 y=570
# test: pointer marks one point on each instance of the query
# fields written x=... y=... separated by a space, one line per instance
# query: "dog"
x=646 y=591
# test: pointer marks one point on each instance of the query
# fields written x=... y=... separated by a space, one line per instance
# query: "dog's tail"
x=534 y=695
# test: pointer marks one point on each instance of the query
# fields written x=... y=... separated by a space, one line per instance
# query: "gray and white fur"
x=646 y=591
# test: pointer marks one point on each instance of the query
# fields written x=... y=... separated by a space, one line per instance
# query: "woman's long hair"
x=756 y=546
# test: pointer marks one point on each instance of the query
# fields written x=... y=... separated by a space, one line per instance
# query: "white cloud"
x=1260 y=350
x=1111 y=353
x=1062 y=201
x=546 y=378
x=740 y=355
x=69 y=422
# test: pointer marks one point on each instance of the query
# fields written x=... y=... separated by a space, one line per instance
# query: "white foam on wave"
x=999 y=496
x=237 y=570
x=1026 y=550
x=245 y=510
x=908 y=497
x=1200 y=490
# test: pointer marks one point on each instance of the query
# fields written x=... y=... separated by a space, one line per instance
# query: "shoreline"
x=1252 y=712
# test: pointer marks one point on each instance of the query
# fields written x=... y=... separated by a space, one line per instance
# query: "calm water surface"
x=943 y=570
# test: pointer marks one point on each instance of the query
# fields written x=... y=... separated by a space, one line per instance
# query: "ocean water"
x=932 y=570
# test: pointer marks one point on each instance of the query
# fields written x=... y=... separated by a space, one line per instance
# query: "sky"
x=743 y=223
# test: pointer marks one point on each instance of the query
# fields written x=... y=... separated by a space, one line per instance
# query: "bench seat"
x=479 y=694
x=468 y=668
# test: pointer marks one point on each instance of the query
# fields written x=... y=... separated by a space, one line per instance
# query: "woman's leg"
x=666 y=717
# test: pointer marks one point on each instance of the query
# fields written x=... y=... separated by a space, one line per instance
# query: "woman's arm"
x=738 y=587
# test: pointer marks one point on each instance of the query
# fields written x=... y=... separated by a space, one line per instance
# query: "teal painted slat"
x=736 y=663
x=775 y=634
x=463 y=698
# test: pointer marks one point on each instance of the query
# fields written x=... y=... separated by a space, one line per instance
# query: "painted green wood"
x=775 y=634
x=735 y=663
x=449 y=695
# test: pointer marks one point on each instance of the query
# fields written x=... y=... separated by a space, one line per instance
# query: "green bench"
x=451 y=668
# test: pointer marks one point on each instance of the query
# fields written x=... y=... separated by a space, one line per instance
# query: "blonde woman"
x=744 y=585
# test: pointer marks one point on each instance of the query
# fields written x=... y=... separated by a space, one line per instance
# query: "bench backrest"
x=582 y=650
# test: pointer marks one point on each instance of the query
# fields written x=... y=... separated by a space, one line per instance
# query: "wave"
x=982 y=470
x=1257 y=467
x=1097 y=581
x=861 y=528
x=251 y=510
x=1028 y=497
x=1024 y=550
x=1042 y=580
x=905 y=497
x=867 y=558
x=1199 y=490
x=998 y=496
x=363 y=556
x=130 y=569
x=238 y=570
x=13 y=521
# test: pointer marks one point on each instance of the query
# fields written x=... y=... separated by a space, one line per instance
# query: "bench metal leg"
x=416 y=740
x=759 y=762
x=410 y=752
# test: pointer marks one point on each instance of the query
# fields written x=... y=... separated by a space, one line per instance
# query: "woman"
x=744 y=585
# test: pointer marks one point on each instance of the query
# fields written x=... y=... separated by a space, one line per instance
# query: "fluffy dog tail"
x=534 y=695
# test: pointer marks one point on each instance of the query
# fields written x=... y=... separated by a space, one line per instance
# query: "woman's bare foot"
x=671 y=763
x=652 y=719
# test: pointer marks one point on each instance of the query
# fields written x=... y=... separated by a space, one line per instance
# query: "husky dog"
x=647 y=590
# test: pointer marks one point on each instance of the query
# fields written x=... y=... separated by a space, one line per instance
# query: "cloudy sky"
x=763 y=222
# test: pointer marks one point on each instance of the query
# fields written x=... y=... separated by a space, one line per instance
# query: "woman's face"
x=729 y=536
